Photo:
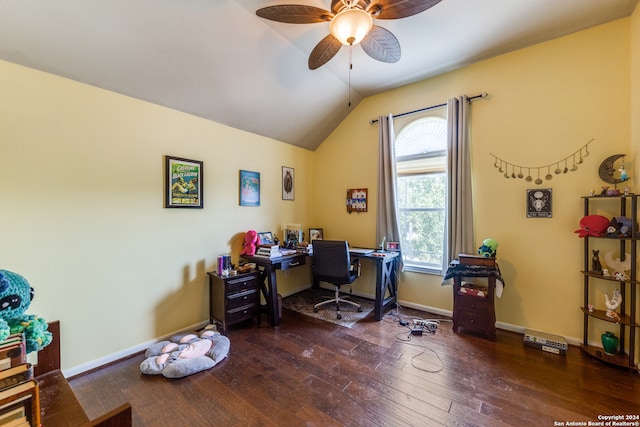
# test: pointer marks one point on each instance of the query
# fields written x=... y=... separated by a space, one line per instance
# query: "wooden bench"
x=58 y=404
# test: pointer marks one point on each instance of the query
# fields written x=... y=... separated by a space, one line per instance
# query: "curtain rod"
x=471 y=98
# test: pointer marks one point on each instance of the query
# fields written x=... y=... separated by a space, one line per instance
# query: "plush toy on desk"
x=251 y=242
x=489 y=248
x=185 y=354
x=15 y=298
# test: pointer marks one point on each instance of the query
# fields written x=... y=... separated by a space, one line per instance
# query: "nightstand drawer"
x=242 y=313
x=240 y=299
x=241 y=283
x=473 y=304
x=473 y=319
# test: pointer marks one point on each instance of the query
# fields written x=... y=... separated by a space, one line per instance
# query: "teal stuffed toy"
x=15 y=298
x=488 y=249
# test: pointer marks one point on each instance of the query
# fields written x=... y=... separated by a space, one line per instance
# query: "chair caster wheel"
x=359 y=309
x=339 y=317
x=315 y=310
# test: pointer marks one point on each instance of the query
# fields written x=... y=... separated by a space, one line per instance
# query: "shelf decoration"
x=606 y=170
x=562 y=166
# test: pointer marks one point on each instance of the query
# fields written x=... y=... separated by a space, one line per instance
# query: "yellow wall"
x=545 y=102
x=83 y=217
x=81 y=185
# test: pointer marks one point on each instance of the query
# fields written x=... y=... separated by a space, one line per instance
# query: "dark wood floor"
x=312 y=373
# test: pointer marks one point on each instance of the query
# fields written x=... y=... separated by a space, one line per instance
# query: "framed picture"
x=183 y=183
x=393 y=246
x=249 y=188
x=539 y=203
x=266 y=238
x=316 y=234
x=357 y=200
x=288 y=183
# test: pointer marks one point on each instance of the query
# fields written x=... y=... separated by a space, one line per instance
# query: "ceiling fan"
x=350 y=23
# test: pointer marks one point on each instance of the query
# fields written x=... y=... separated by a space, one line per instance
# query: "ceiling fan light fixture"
x=351 y=25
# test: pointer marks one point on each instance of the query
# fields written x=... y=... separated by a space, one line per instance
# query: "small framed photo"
x=393 y=246
x=266 y=238
x=288 y=183
x=183 y=183
x=249 y=188
x=539 y=203
x=316 y=234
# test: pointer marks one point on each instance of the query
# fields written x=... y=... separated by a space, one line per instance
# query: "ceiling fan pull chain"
x=350 y=68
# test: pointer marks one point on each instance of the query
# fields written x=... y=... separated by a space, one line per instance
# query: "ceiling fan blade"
x=381 y=44
x=395 y=9
x=324 y=51
x=295 y=14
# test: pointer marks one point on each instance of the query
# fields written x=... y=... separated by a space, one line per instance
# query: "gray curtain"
x=387 y=214
x=459 y=219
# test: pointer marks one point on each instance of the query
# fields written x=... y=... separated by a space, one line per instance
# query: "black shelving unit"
x=627 y=326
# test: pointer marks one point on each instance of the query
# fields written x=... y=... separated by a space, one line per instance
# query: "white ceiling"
x=217 y=60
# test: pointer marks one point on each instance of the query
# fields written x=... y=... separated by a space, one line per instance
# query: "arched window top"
x=421 y=138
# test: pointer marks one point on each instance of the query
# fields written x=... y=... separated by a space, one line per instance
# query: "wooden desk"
x=268 y=282
x=386 y=279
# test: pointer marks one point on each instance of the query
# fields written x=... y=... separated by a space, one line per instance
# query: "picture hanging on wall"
x=249 y=188
x=356 y=200
x=539 y=203
x=183 y=183
x=288 y=183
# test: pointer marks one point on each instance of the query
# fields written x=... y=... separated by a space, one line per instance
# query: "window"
x=421 y=148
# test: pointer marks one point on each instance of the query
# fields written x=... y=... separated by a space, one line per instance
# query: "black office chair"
x=332 y=264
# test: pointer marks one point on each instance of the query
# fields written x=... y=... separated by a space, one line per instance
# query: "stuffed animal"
x=489 y=248
x=185 y=354
x=592 y=225
x=251 y=242
x=15 y=298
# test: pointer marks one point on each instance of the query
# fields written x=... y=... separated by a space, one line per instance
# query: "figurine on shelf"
x=618 y=265
x=596 y=265
x=612 y=304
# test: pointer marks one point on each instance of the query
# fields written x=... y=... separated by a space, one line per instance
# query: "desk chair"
x=332 y=264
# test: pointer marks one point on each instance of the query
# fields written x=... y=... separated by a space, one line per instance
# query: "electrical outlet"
x=419 y=322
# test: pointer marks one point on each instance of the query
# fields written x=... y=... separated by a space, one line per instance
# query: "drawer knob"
x=472 y=321
x=472 y=306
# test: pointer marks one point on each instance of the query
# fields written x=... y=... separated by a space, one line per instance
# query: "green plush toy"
x=489 y=248
x=15 y=298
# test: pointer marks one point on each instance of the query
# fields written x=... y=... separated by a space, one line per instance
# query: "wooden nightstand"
x=472 y=311
x=473 y=306
x=233 y=299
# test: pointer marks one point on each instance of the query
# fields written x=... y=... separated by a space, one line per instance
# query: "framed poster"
x=249 y=188
x=183 y=183
x=357 y=200
x=288 y=183
x=539 y=203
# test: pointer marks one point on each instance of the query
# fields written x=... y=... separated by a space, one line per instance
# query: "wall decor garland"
x=562 y=166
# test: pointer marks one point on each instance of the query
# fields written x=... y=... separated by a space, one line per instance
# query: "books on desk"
x=274 y=251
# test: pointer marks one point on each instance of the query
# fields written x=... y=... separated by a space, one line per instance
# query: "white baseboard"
x=500 y=325
x=77 y=370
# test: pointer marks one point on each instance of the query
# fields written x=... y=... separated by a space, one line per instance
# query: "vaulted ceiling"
x=216 y=59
